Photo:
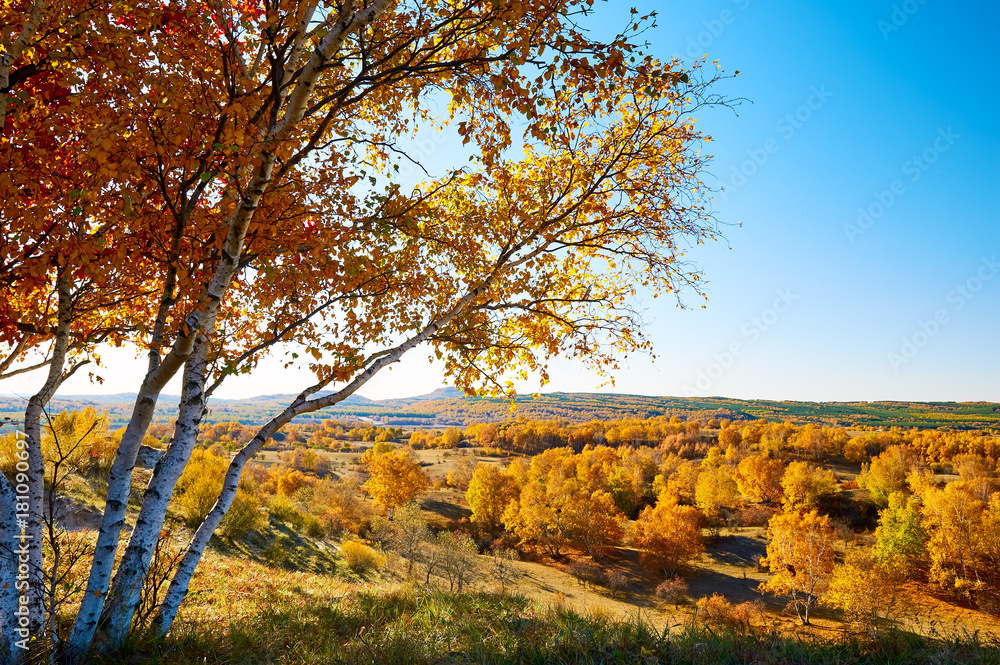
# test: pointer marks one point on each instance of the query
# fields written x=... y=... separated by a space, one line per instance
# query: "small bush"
x=502 y=568
x=197 y=500
x=199 y=486
x=672 y=590
x=245 y=515
x=283 y=510
x=361 y=558
x=313 y=527
x=616 y=581
x=719 y=612
x=277 y=552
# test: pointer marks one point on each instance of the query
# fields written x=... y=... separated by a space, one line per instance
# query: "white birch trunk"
x=119 y=485
x=201 y=318
x=8 y=572
x=36 y=461
x=177 y=590
x=130 y=577
x=15 y=51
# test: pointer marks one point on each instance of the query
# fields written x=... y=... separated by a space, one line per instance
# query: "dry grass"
x=405 y=625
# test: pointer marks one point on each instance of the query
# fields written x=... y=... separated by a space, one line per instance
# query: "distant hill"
x=449 y=407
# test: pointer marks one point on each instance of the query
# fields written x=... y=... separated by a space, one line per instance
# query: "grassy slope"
x=264 y=616
x=243 y=610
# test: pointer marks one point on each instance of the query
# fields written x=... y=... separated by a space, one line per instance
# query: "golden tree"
x=801 y=554
x=715 y=490
x=539 y=515
x=396 y=479
x=461 y=472
x=730 y=437
x=964 y=541
x=758 y=478
x=805 y=485
x=888 y=472
x=867 y=589
x=900 y=537
x=380 y=448
x=669 y=535
x=490 y=491
x=594 y=521
x=682 y=481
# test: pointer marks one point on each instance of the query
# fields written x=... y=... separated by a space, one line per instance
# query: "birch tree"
x=249 y=184
x=800 y=553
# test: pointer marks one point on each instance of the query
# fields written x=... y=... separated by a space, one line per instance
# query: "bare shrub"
x=458 y=559
x=672 y=590
x=502 y=568
x=407 y=534
x=166 y=558
x=616 y=582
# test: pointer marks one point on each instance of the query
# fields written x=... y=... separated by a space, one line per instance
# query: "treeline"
x=692 y=439
x=688 y=438
x=534 y=436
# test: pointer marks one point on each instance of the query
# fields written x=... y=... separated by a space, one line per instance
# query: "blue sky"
x=878 y=106
x=884 y=107
x=893 y=109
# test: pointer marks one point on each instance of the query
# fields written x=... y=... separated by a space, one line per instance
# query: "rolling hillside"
x=448 y=407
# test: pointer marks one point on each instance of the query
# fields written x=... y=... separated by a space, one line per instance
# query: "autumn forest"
x=221 y=187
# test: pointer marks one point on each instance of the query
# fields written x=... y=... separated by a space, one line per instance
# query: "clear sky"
x=861 y=182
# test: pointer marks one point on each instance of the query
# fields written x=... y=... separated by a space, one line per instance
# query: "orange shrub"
x=717 y=611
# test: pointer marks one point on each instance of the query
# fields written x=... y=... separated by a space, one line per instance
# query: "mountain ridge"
x=448 y=406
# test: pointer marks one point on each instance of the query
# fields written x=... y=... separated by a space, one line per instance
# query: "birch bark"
x=202 y=317
x=36 y=460
x=8 y=571
x=130 y=577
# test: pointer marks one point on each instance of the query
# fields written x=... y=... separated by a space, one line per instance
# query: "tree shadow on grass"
x=445 y=509
x=736 y=589
x=736 y=550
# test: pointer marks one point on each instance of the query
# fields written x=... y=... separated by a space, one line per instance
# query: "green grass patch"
x=423 y=626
